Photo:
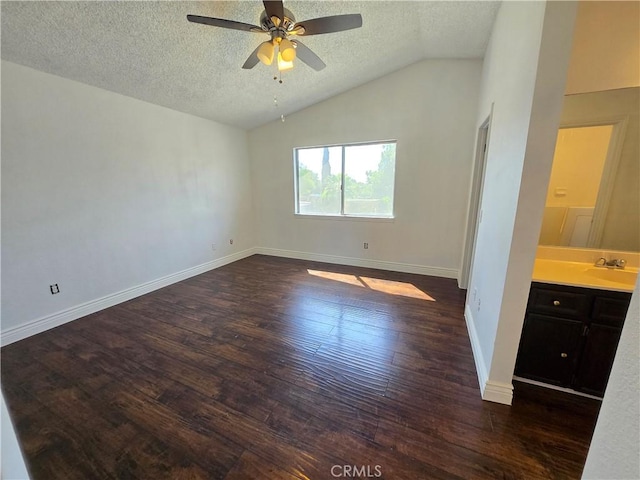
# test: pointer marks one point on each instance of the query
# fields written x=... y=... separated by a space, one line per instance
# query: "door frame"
x=474 y=211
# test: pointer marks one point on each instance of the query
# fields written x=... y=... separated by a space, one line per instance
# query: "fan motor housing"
x=287 y=24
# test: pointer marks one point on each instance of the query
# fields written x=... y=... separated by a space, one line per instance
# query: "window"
x=348 y=180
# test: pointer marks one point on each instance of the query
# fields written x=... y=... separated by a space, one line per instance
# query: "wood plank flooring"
x=271 y=368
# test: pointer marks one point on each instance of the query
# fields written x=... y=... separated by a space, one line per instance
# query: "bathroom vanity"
x=571 y=331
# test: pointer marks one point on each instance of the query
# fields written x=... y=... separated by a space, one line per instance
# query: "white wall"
x=523 y=77
x=606 y=47
x=101 y=193
x=615 y=451
x=12 y=466
x=429 y=108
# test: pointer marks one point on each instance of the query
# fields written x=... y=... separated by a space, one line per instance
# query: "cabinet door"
x=597 y=359
x=548 y=349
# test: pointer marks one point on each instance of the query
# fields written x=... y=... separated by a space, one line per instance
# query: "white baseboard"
x=48 y=322
x=498 y=392
x=490 y=390
x=481 y=367
x=39 y=325
x=555 y=387
x=360 y=262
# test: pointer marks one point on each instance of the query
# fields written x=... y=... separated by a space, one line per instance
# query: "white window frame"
x=296 y=172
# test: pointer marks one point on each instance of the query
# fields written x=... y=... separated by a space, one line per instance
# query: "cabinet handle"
x=564 y=355
x=556 y=303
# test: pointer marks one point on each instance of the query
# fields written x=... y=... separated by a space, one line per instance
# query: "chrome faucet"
x=618 y=263
x=613 y=263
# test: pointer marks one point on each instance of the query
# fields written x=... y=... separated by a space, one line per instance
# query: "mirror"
x=593 y=200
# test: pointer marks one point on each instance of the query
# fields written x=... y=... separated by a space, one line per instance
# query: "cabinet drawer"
x=610 y=311
x=556 y=302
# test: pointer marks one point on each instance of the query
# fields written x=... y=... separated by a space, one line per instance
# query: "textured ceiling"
x=148 y=50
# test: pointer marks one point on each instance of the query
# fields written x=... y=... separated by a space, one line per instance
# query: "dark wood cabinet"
x=599 y=351
x=550 y=348
x=570 y=336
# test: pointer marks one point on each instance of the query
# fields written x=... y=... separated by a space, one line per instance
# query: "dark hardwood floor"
x=271 y=368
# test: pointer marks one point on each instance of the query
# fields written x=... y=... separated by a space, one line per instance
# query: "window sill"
x=356 y=218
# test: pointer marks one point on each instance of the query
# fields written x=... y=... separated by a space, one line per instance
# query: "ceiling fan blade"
x=274 y=8
x=305 y=54
x=221 y=22
x=336 y=23
x=253 y=59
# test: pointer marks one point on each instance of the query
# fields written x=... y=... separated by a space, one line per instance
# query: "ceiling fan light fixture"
x=279 y=23
x=265 y=52
x=284 y=64
x=287 y=50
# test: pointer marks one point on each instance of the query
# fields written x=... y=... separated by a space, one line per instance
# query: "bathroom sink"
x=626 y=277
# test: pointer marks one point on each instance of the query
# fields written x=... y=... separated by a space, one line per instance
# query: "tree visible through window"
x=355 y=180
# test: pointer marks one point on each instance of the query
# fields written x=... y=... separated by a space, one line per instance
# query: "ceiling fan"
x=280 y=24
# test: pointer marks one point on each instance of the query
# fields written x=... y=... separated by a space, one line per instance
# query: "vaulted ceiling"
x=148 y=50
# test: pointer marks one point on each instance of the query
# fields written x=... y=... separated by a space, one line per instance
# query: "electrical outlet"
x=214 y=247
x=54 y=289
x=479 y=302
x=475 y=294
x=231 y=241
x=366 y=246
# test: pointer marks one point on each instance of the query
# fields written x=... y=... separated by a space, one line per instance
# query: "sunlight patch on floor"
x=402 y=289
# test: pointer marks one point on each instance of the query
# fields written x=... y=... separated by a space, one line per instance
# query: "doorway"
x=475 y=208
